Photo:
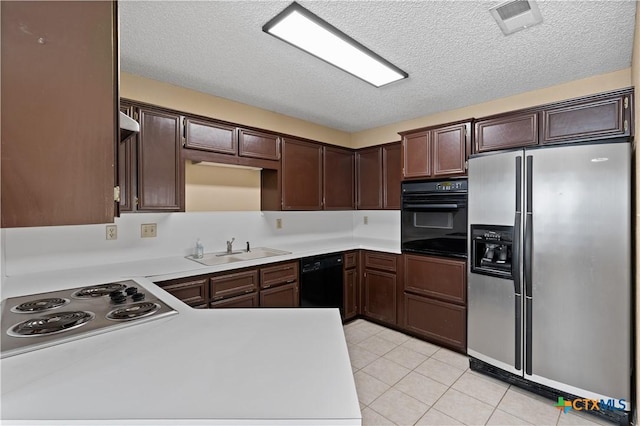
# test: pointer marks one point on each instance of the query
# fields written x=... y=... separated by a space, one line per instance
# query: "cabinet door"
x=193 y=291
x=369 y=177
x=350 y=296
x=380 y=295
x=301 y=175
x=284 y=296
x=227 y=285
x=392 y=175
x=160 y=172
x=441 y=322
x=586 y=120
x=255 y=144
x=416 y=155
x=59 y=112
x=510 y=131
x=449 y=150
x=127 y=165
x=338 y=179
x=436 y=277
x=210 y=136
x=244 y=301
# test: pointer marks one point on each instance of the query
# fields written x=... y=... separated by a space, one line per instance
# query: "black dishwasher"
x=321 y=281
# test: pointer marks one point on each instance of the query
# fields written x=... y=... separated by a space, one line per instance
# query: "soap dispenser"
x=199 y=250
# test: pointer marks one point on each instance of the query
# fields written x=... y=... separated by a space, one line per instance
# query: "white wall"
x=28 y=250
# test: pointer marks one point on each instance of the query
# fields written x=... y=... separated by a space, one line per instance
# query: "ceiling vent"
x=516 y=15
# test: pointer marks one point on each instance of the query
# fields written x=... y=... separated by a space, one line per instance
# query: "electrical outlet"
x=148 y=230
x=366 y=220
x=112 y=232
x=278 y=223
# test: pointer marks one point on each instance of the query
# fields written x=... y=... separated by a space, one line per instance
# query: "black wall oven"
x=434 y=217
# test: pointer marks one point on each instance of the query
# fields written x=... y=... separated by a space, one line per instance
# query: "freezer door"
x=494 y=309
x=580 y=243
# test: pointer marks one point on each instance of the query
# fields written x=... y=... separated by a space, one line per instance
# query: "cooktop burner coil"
x=40 y=305
x=133 y=311
x=48 y=324
x=98 y=290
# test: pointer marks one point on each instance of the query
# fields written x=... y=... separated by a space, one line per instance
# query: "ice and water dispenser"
x=492 y=250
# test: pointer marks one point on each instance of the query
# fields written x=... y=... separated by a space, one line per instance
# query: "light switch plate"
x=148 y=230
x=366 y=220
x=278 y=223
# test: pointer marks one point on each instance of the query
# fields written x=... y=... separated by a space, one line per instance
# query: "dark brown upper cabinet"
x=301 y=175
x=210 y=136
x=378 y=177
x=338 y=178
x=160 y=169
x=506 y=131
x=391 y=175
x=261 y=145
x=597 y=117
x=436 y=151
x=369 y=178
x=59 y=112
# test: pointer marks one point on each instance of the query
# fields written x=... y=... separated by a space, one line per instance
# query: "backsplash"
x=28 y=250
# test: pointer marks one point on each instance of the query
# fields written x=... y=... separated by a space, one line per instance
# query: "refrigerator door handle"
x=528 y=230
x=517 y=224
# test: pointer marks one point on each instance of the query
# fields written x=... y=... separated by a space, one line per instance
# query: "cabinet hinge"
x=626 y=125
x=116 y=194
x=466 y=165
x=626 y=102
x=135 y=200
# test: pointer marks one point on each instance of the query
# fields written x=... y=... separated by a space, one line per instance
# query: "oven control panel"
x=449 y=186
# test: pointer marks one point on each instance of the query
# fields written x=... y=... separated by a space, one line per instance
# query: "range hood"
x=128 y=127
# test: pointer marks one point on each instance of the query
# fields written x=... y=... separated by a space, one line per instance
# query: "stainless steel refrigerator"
x=549 y=271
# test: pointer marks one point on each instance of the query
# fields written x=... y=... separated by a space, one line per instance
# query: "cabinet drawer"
x=436 y=277
x=232 y=284
x=278 y=274
x=507 y=132
x=350 y=259
x=244 y=301
x=284 y=296
x=439 y=321
x=381 y=261
x=192 y=292
x=258 y=145
x=587 y=120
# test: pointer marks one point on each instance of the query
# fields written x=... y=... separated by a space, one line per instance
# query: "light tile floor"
x=401 y=380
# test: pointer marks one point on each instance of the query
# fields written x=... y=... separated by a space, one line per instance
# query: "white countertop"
x=236 y=366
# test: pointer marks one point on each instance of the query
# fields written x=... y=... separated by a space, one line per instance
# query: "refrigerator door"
x=494 y=323
x=581 y=264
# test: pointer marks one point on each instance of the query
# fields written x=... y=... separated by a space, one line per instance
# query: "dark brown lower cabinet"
x=380 y=295
x=435 y=299
x=350 y=282
x=283 y=296
x=244 y=301
x=439 y=321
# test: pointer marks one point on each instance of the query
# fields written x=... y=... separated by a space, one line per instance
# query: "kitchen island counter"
x=239 y=366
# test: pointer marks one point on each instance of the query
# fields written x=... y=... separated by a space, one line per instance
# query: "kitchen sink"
x=222 y=257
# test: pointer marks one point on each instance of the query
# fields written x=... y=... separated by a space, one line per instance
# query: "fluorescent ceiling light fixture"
x=301 y=28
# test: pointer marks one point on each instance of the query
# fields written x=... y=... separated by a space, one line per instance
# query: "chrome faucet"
x=230 y=245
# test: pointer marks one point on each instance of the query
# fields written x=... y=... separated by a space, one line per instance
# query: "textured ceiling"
x=454 y=52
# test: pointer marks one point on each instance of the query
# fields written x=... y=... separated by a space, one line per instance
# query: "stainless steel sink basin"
x=222 y=257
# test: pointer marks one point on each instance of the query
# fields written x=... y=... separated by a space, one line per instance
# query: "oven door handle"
x=434 y=206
